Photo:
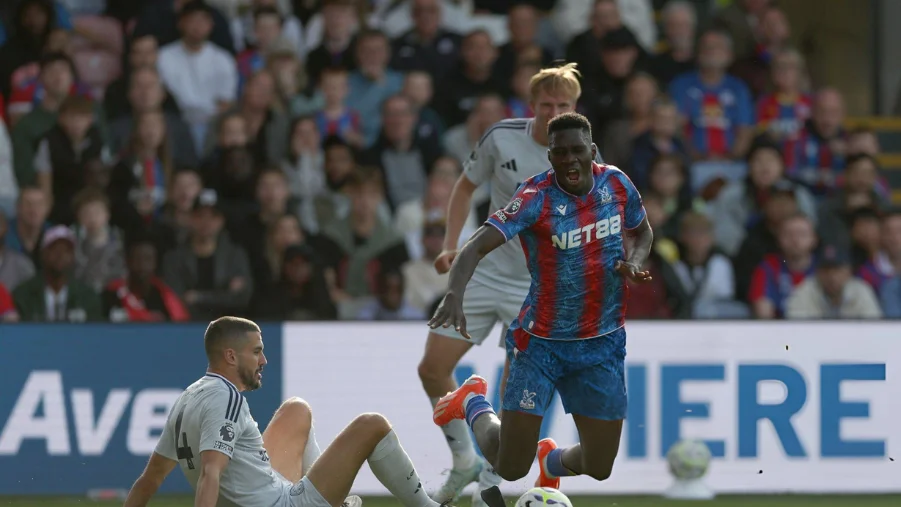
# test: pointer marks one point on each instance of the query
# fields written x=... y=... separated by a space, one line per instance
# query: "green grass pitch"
x=594 y=501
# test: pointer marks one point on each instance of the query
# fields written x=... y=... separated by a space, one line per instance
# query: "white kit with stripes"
x=211 y=415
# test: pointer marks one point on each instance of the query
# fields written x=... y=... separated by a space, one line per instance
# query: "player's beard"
x=249 y=378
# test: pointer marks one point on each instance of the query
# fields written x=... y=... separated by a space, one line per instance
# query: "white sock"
x=460 y=442
x=311 y=452
x=393 y=468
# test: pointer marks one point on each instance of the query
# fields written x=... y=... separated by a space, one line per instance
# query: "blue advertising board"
x=82 y=406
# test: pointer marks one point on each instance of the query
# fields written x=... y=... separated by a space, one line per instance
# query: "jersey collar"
x=216 y=375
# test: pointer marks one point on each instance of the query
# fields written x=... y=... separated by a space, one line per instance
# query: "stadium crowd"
x=292 y=160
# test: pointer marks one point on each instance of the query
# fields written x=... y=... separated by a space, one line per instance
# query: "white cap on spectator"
x=56 y=233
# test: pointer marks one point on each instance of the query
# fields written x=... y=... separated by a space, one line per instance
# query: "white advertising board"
x=784 y=407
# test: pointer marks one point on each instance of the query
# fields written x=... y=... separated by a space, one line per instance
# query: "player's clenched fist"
x=450 y=313
x=444 y=260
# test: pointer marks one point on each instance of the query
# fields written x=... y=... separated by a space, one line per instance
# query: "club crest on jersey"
x=514 y=206
x=227 y=433
x=606 y=197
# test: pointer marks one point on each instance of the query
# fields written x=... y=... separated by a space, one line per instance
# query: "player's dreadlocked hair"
x=567 y=121
x=562 y=79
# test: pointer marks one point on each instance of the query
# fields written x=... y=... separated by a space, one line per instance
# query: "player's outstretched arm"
x=450 y=311
x=642 y=237
x=212 y=463
x=156 y=471
x=457 y=212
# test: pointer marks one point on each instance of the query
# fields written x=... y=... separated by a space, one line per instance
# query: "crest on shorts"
x=514 y=206
x=227 y=433
x=528 y=400
x=297 y=489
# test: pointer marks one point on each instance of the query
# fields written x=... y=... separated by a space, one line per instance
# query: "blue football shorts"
x=589 y=374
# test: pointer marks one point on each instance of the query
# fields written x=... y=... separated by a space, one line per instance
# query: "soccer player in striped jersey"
x=509 y=152
x=585 y=232
x=212 y=436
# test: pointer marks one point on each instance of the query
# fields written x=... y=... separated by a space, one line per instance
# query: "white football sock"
x=460 y=442
x=311 y=452
x=393 y=468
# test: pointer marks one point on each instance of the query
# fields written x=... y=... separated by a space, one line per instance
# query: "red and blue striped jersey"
x=713 y=113
x=571 y=244
x=783 y=117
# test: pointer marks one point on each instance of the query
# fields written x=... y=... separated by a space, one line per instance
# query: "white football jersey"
x=505 y=157
x=212 y=415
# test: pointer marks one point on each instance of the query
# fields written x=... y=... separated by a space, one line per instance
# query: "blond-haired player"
x=509 y=152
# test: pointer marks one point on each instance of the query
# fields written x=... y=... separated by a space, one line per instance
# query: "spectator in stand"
x=784 y=112
x=15 y=267
x=163 y=20
x=34 y=20
x=231 y=132
x=459 y=141
x=619 y=135
x=270 y=229
x=212 y=85
x=522 y=25
x=603 y=102
x=761 y=239
x=27 y=228
x=293 y=94
x=864 y=230
x=706 y=282
x=359 y=245
x=336 y=50
x=301 y=293
x=267 y=28
x=142 y=296
x=52 y=295
x=858 y=192
x=424 y=285
x=389 y=303
x=773 y=36
x=9 y=187
x=816 y=158
x=470 y=78
x=235 y=181
x=143 y=52
x=146 y=95
x=403 y=159
x=267 y=129
x=583 y=49
x=680 y=21
x=96 y=174
x=61 y=153
x=304 y=164
x=8 y=313
x=518 y=101
x=661 y=138
x=863 y=141
x=336 y=118
x=833 y=292
x=886 y=264
x=418 y=90
x=174 y=224
x=139 y=180
x=777 y=276
x=339 y=161
x=656 y=299
x=716 y=107
x=244 y=28
x=210 y=272
x=739 y=206
x=740 y=20
x=427 y=47
x=57 y=78
x=372 y=83
x=99 y=247
x=668 y=180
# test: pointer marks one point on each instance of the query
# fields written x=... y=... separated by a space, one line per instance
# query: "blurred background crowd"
x=293 y=159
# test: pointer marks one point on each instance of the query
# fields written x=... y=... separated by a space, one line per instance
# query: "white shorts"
x=304 y=494
x=484 y=305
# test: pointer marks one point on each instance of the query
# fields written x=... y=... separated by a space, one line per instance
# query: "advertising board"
x=82 y=406
x=784 y=407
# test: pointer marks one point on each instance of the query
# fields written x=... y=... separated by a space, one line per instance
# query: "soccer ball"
x=688 y=459
x=536 y=497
